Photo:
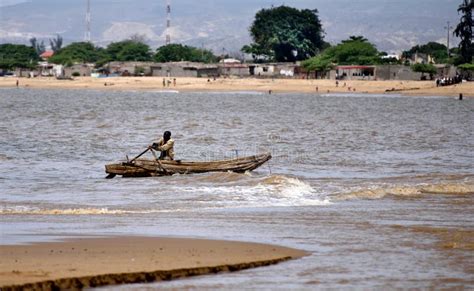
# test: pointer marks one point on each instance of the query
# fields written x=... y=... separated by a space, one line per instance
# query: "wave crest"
x=405 y=191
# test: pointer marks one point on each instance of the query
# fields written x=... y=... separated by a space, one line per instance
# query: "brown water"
x=380 y=189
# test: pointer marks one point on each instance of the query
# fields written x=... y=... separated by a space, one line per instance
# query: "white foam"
x=26 y=210
x=268 y=192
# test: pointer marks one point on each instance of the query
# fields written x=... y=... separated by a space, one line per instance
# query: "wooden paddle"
x=158 y=161
x=141 y=154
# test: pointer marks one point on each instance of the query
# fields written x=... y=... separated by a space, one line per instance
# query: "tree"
x=77 y=52
x=138 y=38
x=178 y=52
x=128 y=50
x=464 y=30
x=356 y=50
x=320 y=63
x=285 y=34
x=17 y=56
x=39 y=47
x=424 y=68
x=436 y=50
x=56 y=43
x=467 y=70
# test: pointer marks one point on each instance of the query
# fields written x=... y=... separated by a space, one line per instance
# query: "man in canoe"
x=165 y=145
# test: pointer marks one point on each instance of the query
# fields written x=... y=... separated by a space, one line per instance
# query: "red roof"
x=47 y=54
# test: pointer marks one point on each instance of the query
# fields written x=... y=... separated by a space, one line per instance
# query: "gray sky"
x=393 y=25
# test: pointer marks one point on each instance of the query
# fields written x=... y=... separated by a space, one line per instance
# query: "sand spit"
x=416 y=88
x=93 y=262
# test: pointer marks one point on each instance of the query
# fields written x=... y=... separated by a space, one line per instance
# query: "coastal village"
x=233 y=68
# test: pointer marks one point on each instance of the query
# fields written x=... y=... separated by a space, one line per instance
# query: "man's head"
x=166 y=136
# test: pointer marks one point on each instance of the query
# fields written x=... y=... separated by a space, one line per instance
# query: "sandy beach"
x=89 y=262
x=417 y=88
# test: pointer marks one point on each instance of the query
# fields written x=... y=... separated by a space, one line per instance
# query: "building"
x=355 y=72
x=396 y=72
x=46 y=55
x=419 y=58
x=129 y=68
x=234 y=69
x=78 y=70
x=184 y=69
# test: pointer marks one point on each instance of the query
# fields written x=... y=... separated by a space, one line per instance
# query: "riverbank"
x=416 y=88
x=91 y=262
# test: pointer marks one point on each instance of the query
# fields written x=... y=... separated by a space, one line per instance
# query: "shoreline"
x=93 y=262
x=406 y=88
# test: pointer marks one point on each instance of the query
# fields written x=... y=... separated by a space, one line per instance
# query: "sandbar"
x=91 y=262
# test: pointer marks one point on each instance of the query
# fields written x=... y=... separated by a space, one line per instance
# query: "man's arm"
x=156 y=145
x=169 y=144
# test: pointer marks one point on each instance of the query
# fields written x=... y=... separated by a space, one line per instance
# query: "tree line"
x=280 y=34
x=23 y=56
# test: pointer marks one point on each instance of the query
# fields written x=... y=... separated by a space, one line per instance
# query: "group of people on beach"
x=168 y=82
x=448 y=81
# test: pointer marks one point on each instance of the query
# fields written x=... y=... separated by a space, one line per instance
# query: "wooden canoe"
x=147 y=167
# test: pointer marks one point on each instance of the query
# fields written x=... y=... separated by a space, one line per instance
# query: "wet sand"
x=91 y=262
x=417 y=88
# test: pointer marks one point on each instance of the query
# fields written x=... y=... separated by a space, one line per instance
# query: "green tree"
x=438 y=51
x=285 y=34
x=178 y=52
x=77 y=52
x=321 y=63
x=128 y=50
x=356 y=50
x=56 y=43
x=17 y=56
x=467 y=70
x=424 y=68
x=38 y=46
x=467 y=67
x=464 y=30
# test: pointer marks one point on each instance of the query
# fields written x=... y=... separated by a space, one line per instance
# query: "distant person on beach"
x=164 y=82
x=165 y=145
x=174 y=82
x=17 y=83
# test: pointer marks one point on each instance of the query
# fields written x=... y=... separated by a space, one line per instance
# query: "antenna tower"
x=168 y=22
x=87 y=35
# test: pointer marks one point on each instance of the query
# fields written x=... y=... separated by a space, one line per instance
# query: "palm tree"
x=464 y=30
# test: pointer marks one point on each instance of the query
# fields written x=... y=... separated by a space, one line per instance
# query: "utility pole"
x=87 y=35
x=168 y=22
x=448 y=28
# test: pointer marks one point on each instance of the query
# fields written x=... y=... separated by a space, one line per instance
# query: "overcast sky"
x=393 y=25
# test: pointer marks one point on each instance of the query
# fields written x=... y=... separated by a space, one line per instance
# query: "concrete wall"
x=26 y=73
x=183 y=70
x=396 y=72
x=267 y=70
x=447 y=71
x=130 y=67
x=84 y=70
x=173 y=71
x=236 y=70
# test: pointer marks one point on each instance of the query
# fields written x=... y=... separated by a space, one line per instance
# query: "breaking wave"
x=236 y=190
x=26 y=210
x=406 y=191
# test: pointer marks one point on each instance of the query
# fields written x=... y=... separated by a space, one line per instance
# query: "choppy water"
x=380 y=189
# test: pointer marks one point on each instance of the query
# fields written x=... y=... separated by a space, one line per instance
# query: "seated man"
x=165 y=146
